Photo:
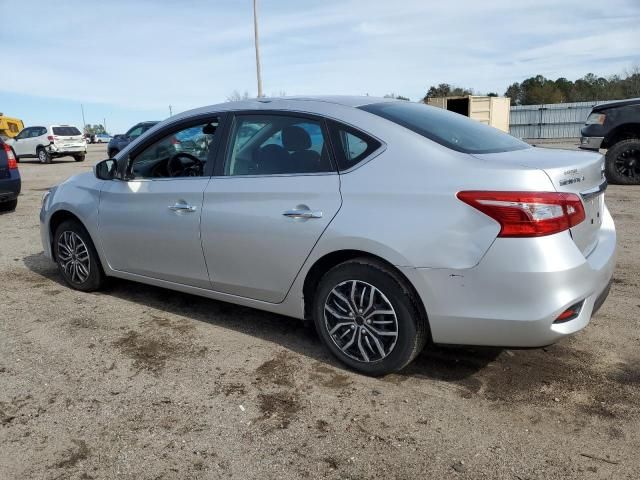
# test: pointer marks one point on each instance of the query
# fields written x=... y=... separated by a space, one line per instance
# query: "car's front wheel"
x=43 y=155
x=79 y=158
x=77 y=258
x=368 y=317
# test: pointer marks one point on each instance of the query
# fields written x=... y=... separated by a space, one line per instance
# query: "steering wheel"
x=184 y=165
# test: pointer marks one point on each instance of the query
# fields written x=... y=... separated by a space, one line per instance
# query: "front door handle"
x=303 y=214
x=182 y=207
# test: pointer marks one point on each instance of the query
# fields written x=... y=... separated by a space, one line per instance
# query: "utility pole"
x=84 y=124
x=104 y=124
x=170 y=112
x=255 y=31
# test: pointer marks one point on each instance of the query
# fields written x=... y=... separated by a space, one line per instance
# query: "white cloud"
x=149 y=54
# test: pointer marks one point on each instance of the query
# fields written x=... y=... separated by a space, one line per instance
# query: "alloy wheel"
x=627 y=163
x=73 y=256
x=42 y=156
x=361 y=321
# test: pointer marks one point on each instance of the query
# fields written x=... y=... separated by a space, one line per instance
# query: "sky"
x=127 y=61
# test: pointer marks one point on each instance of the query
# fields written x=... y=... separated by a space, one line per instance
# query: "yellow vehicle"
x=10 y=127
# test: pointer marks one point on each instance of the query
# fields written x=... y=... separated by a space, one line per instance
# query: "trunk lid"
x=570 y=171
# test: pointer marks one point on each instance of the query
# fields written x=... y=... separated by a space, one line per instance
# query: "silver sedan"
x=390 y=224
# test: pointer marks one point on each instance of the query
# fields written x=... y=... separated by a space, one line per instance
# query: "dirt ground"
x=144 y=383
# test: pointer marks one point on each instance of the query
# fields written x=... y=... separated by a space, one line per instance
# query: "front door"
x=150 y=222
x=265 y=212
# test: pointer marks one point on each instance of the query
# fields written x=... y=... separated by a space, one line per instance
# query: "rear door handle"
x=303 y=214
x=182 y=207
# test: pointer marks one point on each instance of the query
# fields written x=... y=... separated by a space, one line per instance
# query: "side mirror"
x=106 y=169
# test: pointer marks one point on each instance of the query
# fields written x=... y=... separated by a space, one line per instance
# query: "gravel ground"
x=144 y=383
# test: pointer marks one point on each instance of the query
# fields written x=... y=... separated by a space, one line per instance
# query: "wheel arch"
x=621 y=132
x=56 y=220
x=325 y=263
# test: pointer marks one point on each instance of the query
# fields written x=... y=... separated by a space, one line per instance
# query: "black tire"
x=96 y=277
x=412 y=327
x=79 y=158
x=622 y=162
x=43 y=155
x=113 y=153
x=9 y=206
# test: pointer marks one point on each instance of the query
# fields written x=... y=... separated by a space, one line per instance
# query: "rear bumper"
x=512 y=297
x=10 y=188
x=591 y=143
x=58 y=150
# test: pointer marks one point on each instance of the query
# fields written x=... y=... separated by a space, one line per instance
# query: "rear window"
x=351 y=146
x=66 y=131
x=449 y=129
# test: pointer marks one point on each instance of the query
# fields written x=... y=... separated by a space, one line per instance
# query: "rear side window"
x=449 y=129
x=351 y=146
x=66 y=131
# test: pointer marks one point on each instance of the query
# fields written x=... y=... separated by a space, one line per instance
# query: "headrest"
x=295 y=138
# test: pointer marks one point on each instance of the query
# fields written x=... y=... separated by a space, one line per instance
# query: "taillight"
x=570 y=313
x=12 y=162
x=528 y=214
x=51 y=138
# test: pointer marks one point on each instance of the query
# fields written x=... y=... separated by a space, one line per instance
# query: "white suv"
x=47 y=143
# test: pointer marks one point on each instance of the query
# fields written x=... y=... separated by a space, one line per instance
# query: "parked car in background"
x=102 y=138
x=47 y=143
x=120 y=141
x=10 y=182
x=616 y=127
x=388 y=223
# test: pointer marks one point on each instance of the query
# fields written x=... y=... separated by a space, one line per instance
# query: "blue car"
x=118 y=142
x=10 y=183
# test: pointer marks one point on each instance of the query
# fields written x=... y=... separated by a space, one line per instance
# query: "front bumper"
x=591 y=143
x=512 y=297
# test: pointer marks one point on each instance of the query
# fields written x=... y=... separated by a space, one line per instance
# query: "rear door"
x=67 y=137
x=275 y=193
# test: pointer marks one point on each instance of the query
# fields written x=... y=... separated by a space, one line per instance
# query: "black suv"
x=118 y=142
x=616 y=126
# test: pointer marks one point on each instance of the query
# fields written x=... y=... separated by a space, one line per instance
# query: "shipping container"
x=492 y=111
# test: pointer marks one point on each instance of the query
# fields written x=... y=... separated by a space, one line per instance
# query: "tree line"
x=539 y=89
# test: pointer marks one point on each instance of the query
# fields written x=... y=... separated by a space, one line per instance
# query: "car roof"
x=308 y=103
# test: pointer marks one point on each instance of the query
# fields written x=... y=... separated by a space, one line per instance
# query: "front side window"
x=449 y=129
x=351 y=146
x=183 y=153
x=25 y=133
x=276 y=145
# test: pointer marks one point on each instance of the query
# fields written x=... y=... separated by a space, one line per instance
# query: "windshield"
x=449 y=129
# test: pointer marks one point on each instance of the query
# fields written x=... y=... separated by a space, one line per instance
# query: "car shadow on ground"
x=444 y=363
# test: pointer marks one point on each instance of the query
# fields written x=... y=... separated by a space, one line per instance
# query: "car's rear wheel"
x=368 y=317
x=77 y=258
x=43 y=155
x=622 y=164
x=79 y=158
x=9 y=206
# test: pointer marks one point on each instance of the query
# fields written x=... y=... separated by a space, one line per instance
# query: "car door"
x=149 y=221
x=21 y=142
x=268 y=204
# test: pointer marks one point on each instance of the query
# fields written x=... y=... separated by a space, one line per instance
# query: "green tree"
x=446 y=90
